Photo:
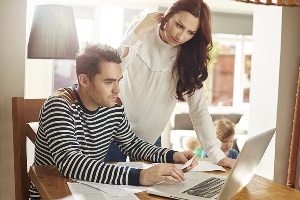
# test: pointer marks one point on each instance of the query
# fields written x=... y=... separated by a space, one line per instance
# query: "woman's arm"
x=203 y=125
x=147 y=24
x=205 y=129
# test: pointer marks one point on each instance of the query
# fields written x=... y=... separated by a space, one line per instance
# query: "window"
x=228 y=83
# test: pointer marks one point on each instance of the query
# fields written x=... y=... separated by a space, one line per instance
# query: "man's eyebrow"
x=184 y=26
x=113 y=79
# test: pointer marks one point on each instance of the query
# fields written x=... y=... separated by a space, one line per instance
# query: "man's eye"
x=109 y=82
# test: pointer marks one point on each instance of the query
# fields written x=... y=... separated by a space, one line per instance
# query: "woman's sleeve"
x=58 y=128
x=203 y=125
x=132 y=42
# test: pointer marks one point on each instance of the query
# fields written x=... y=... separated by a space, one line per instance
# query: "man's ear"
x=83 y=80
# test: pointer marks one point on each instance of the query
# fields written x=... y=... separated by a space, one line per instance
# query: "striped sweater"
x=76 y=141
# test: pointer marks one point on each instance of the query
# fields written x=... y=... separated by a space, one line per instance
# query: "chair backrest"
x=23 y=112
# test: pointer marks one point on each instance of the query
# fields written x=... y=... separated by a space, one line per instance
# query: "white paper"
x=189 y=162
x=116 y=190
x=137 y=165
x=83 y=192
x=205 y=166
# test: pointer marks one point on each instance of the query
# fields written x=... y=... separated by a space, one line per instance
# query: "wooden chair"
x=23 y=112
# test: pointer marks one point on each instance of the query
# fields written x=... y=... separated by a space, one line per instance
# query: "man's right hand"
x=159 y=173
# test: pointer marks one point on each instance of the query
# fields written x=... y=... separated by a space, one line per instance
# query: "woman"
x=164 y=59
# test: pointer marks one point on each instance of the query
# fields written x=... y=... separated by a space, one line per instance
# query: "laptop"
x=210 y=186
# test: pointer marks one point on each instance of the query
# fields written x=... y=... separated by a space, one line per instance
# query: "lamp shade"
x=53 y=33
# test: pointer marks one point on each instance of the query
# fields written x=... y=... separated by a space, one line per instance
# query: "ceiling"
x=226 y=6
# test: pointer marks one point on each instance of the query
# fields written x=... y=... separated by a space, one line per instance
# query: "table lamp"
x=53 y=33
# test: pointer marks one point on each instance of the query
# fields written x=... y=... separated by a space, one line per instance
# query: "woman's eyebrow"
x=184 y=26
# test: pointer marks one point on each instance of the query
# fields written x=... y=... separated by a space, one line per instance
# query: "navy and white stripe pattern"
x=76 y=141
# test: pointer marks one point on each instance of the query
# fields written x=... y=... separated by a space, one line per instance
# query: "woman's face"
x=180 y=28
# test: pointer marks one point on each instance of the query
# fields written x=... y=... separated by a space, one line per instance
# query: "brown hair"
x=224 y=128
x=193 y=58
x=192 y=144
x=89 y=60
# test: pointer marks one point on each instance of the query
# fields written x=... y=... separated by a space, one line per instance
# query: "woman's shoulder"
x=158 y=55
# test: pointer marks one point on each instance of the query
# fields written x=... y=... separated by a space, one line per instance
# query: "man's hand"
x=161 y=172
x=147 y=24
x=227 y=162
x=183 y=157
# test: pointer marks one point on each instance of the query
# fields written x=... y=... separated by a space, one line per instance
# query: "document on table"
x=116 y=190
x=83 y=192
x=137 y=165
x=205 y=166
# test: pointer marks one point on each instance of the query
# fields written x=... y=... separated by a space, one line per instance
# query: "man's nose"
x=116 y=88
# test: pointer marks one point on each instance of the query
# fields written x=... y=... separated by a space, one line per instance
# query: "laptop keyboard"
x=207 y=188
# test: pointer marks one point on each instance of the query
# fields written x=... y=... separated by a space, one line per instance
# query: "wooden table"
x=52 y=185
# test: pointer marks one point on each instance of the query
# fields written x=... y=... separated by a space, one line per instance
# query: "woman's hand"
x=147 y=24
x=226 y=162
x=159 y=173
x=183 y=157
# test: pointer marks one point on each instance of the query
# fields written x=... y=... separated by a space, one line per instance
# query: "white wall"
x=264 y=78
x=275 y=63
x=12 y=69
x=232 y=23
x=288 y=76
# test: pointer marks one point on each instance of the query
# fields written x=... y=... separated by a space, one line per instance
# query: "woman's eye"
x=179 y=25
x=191 y=33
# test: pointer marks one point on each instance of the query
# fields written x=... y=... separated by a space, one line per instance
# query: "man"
x=78 y=123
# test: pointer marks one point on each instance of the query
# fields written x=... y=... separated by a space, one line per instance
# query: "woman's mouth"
x=175 y=41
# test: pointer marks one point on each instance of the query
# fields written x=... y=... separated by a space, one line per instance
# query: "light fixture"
x=53 y=33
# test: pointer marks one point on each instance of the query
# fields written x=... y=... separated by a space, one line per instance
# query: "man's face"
x=103 y=89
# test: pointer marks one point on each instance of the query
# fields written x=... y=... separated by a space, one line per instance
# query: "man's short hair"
x=91 y=57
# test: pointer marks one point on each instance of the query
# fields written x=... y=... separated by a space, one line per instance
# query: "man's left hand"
x=183 y=157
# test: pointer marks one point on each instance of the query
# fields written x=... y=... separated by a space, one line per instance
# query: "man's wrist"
x=134 y=176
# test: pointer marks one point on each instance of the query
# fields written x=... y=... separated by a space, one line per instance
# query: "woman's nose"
x=180 y=36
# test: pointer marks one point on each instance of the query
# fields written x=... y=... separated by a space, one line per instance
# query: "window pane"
x=247 y=72
x=223 y=75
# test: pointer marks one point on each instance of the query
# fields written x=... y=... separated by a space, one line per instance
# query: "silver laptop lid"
x=246 y=164
x=239 y=176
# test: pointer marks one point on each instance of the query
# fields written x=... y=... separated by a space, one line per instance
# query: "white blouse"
x=148 y=91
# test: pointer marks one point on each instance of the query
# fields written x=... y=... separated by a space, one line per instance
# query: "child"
x=225 y=133
x=195 y=146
